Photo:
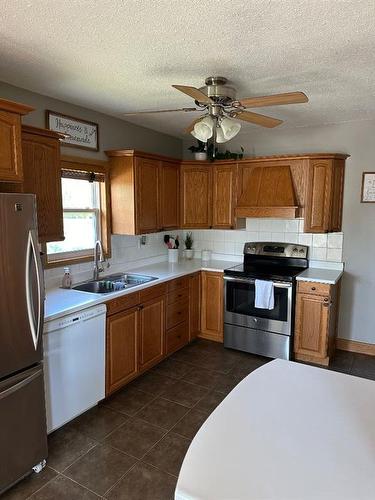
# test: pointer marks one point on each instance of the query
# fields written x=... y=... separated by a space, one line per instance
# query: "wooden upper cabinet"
x=10 y=140
x=324 y=196
x=144 y=192
x=196 y=196
x=151 y=332
x=42 y=176
x=121 y=349
x=169 y=195
x=146 y=195
x=317 y=216
x=224 y=195
x=212 y=306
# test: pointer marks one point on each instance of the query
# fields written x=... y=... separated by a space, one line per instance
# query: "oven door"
x=240 y=310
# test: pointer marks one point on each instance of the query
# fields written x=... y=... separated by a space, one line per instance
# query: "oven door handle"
x=250 y=281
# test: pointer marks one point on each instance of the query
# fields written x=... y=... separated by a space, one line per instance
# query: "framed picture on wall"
x=82 y=134
x=368 y=187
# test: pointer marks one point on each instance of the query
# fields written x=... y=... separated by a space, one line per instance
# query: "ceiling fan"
x=218 y=102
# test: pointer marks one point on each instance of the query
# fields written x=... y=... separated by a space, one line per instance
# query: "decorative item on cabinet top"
x=79 y=133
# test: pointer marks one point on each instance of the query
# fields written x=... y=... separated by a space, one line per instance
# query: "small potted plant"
x=199 y=151
x=189 y=252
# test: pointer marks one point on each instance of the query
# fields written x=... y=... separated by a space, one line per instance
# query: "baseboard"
x=354 y=346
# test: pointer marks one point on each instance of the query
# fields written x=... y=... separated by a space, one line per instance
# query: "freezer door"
x=23 y=436
x=22 y=287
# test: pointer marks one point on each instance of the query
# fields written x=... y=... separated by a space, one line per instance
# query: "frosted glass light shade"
x=220 y=136
x=203 y=129
x=230 y=128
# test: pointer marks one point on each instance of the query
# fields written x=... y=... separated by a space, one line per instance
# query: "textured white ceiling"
x=123 y=55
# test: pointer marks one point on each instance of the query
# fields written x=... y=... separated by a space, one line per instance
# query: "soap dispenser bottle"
x=67 y=278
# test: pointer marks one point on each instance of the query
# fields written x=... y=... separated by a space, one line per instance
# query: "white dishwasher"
x=74 y=364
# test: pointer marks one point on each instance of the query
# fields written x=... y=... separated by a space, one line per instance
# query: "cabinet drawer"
x=176 y=313
x=178 y=283
x=152 y=292
x=121 y=303
x=177 y=337
x=178 y=295
x=314 y=288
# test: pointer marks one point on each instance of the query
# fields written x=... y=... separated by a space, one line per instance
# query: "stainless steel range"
x=268 y=332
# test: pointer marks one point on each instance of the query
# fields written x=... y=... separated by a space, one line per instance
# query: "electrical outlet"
x=143 y=239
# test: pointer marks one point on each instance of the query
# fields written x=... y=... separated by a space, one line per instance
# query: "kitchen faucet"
x=99 y=259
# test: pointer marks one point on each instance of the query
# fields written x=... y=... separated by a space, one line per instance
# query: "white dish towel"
x=264 y=296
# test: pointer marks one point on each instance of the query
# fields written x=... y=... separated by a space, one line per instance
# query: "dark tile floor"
x=132 y=445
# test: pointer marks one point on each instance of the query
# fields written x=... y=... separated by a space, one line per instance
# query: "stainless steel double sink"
x=113 y=283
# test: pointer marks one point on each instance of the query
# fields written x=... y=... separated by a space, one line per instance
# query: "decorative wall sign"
x=82 y=134
x=368 y=187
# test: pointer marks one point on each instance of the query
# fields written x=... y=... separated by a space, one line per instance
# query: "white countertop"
x=60 y=302
x=321 y=275
x=287 y=431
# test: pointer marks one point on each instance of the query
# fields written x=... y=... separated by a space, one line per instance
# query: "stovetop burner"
x=271 y=261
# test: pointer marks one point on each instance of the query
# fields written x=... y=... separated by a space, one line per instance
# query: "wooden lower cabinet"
x=121 y=349
x=315 y=322
x=194 y=305
x=212 y=306
x=151 y=332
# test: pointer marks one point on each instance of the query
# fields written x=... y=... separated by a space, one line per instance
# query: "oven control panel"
x=274 y=249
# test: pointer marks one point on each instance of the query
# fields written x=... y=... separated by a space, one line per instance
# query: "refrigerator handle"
x=10 y=390
x=35 y=321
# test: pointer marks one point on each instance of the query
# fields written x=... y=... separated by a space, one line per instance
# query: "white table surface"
x=288 y=431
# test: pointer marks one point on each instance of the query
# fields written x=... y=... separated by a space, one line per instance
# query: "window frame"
x=98 y=167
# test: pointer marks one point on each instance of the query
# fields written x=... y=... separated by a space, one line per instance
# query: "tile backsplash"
x=324 y=247
x=127 y=251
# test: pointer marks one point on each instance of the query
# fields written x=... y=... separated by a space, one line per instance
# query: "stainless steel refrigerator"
x=23 y=435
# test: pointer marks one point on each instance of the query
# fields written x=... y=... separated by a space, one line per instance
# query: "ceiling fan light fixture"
x=203 y=130
x=230 y=128
x=220 y=138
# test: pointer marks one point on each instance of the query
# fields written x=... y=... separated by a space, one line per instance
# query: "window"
x=83 y=194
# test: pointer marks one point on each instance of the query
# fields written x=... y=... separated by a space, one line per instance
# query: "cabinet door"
x=223 y=196
x=121 y=349
x=338 y=176
x=318 y=203
x=42 y=176
x=312 y=326
x=169 y=199
x=151 y=332
x=196 y=196
x=194 y=305
x=146 y=191
x=212 y=306
x=10 y=147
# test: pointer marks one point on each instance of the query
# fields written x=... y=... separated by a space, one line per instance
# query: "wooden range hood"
x=268 y=192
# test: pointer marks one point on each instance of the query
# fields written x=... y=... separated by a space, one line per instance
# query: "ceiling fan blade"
x=161 y=111
x=196 y=94
x=264 y=121
x=274 y=100
x=191 y=126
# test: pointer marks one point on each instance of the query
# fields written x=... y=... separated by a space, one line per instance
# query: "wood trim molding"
x=15 y=107
x=354 y=346
x=140 y=154
x=82 y=162
x=151 y=156
x=273 y=212
x=42 y=131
